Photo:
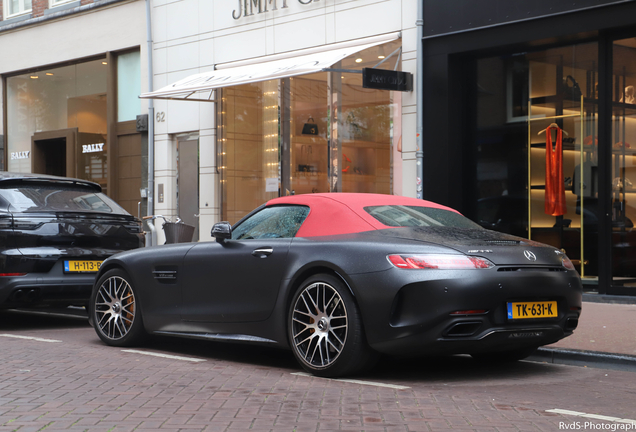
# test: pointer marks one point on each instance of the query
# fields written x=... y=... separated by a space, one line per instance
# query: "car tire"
x=505 y=356
x=325 y=329
x=115 y=311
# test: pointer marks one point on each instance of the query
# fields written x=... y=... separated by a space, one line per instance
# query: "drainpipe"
x=151 y=128
x=419 y=87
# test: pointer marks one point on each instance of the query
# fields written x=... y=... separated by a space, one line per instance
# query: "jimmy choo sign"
x=249 y=7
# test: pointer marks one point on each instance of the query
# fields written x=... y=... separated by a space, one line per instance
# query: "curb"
x=592 y=359
x=605 y=298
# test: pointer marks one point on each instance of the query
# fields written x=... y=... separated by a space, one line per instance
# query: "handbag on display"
x=310 y=128
x=571 y=91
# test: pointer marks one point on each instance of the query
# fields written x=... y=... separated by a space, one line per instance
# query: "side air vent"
x=534 y=269
x=165 y=274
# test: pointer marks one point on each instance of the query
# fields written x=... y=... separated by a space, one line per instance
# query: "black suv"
x=54 y=234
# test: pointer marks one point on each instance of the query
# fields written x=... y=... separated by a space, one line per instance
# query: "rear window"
x=412 y=216
x=30 y=198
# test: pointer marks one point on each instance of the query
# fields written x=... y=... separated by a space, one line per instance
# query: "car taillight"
x=567 y=263
x=439 y=261
x=134 y=227
x=12 y=274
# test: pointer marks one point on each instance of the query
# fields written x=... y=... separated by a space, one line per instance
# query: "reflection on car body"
x=340 y=278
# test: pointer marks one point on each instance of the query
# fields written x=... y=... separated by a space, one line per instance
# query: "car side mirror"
x=222 y=231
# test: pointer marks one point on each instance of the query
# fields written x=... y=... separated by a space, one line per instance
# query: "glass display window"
x=249 y=135
x=623 y=162
x=56 y=112
x=128 y=86
x=536 y=151
x=2 y=139
x=314 y=133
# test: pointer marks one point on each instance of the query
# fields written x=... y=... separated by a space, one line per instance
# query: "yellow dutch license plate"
x=82 y=266
x=524 y=310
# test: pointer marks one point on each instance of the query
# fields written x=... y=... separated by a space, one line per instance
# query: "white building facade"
x=256 y=99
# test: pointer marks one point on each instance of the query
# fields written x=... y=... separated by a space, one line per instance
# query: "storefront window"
x=320 y=132
x=310 y=133
x=128 y=86
x=248 y=133
x=2 y=140
x=623 y=162
x=536 y=137
x=56 y=121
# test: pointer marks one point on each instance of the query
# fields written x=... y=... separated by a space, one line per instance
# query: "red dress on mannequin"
x=554 y=184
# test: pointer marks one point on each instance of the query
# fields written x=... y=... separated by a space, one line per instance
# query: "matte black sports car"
x=339 y=278
x=54 y=234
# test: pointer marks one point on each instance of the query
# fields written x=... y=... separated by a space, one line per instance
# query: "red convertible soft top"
x=343 y=213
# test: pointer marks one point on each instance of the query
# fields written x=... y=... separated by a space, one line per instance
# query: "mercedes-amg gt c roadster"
x=340 y=278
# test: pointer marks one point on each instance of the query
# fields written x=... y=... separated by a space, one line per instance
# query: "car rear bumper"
x=491 y=340
x=46 y=289
x=463 y=312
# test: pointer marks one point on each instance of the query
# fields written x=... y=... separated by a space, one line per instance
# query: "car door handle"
x=263 y=252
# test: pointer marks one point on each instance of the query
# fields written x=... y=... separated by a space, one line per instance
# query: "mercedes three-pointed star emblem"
x=529 y=255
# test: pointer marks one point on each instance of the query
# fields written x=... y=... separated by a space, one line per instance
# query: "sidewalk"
x=605 y=336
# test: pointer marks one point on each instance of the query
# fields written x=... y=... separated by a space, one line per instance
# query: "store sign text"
x=381 y=79
x=20 y=155
x=92 y=148
x=248 y=7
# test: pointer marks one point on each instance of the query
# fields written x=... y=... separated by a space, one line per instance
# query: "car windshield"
x=29 y=198
x=414 y=216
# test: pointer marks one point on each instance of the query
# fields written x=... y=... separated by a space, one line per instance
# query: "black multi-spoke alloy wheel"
x=325 y=329
x=115 y=311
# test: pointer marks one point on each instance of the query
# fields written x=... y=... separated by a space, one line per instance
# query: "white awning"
x=266 y=68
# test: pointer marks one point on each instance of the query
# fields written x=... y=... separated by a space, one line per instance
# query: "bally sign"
x=248 y=7
x=20 y=155
x=92 y=148
x=381 y=79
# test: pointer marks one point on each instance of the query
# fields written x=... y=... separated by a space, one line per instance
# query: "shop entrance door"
x=52 y=156
x=53 y=152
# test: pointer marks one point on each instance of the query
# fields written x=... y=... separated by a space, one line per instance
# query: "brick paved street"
x=80 y=384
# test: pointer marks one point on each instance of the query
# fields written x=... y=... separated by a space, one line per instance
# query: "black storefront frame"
x=449 y=70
